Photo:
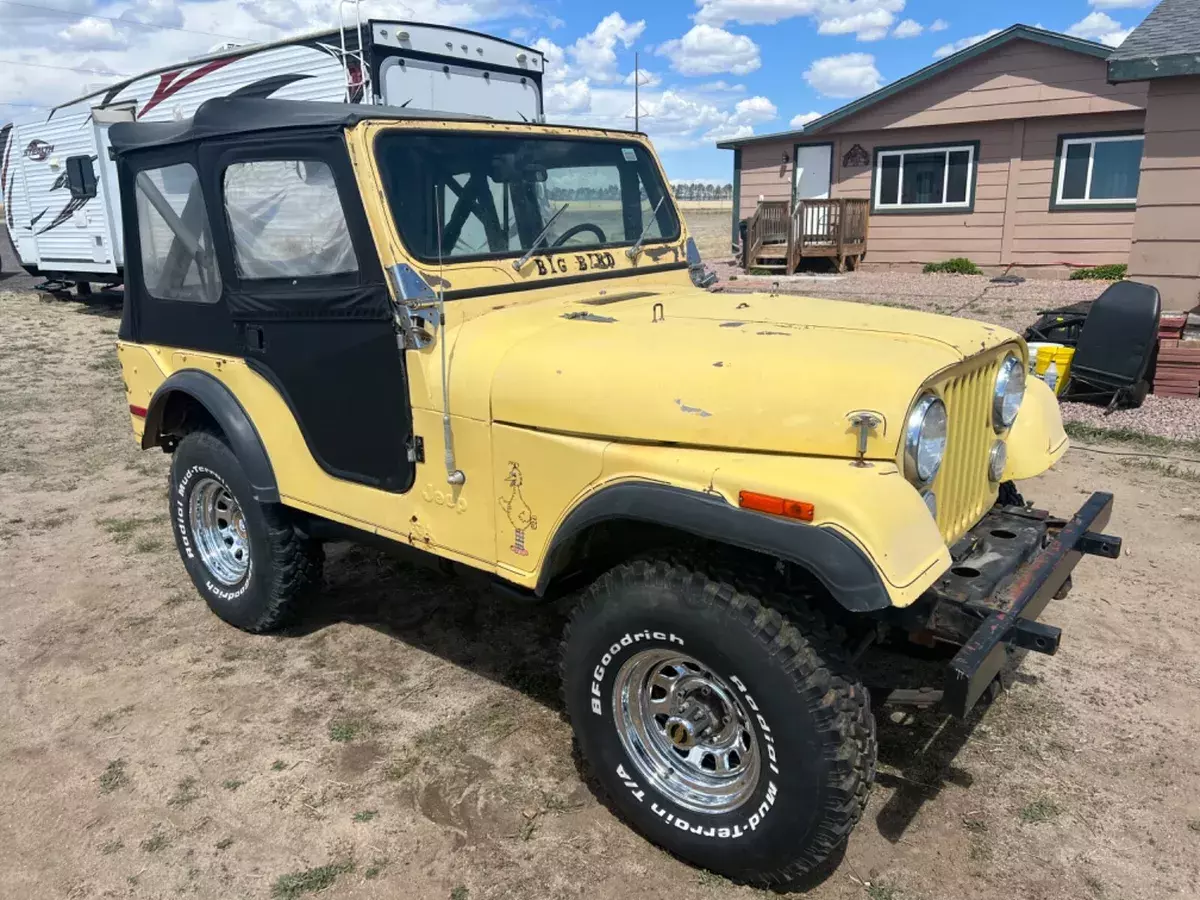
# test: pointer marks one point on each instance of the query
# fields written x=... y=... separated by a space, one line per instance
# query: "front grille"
x=964 y=492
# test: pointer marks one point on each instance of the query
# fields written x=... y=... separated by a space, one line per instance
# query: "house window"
x=925 y=178
x=1097 y=170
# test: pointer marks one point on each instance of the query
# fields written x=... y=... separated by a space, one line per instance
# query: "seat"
x=1116 y=346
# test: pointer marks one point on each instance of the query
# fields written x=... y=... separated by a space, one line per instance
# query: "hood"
x=745 y=372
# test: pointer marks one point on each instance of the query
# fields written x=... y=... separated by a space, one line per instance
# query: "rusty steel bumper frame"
x=1009 y=615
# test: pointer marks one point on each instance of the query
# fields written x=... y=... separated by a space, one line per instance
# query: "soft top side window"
x=286 y=220
x=176 y=246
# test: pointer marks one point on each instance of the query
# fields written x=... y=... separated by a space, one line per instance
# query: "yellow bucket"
x=1061 y=357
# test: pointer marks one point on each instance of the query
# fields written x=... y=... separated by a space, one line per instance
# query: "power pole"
x=637 y=85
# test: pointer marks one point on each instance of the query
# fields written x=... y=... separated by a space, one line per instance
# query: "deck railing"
x=829 y=228
x=768 y=225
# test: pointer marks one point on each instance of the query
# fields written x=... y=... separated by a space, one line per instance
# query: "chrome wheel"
x=219 y=530
x=686 y=731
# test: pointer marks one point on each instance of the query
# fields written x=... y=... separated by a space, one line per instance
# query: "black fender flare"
x=229 y=414
x=845 y=571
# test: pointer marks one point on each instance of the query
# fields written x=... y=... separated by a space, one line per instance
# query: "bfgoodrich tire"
x=244 y=557
x=719 y=730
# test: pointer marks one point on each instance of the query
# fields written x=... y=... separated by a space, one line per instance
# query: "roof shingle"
x=1166 y=44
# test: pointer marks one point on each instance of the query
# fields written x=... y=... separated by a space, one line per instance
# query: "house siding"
x=1016 y=101
x=1166 y=233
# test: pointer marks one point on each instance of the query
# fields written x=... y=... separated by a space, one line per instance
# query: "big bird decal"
x=517 y=510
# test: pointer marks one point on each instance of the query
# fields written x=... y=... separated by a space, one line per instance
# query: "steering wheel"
x=577 y=229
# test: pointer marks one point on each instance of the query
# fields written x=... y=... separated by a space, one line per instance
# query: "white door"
x=107 y=171
x=814 y=164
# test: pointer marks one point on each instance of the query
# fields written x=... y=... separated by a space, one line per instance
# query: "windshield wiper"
x=633 y=251
x=537 y=240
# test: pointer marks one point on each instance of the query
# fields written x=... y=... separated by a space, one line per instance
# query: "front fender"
x=1037 y=439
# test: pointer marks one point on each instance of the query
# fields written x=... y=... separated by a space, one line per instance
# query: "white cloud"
x=564 y=98
x=720 y=87
x=908 y=28
x=939 y=25
x=803 y=119
x=1121 y=4
x=963 y=43
x=868 y=20
x=596 y=53
x=730 y=131
x=846 y=76
x=753 y=110
x=1098 y=26
x=706 y=50
x=647 y=79
x=93 y=34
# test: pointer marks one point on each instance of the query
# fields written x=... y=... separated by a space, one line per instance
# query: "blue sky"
x=710 y=69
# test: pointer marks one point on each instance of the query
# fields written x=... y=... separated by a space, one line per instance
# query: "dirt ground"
x=407 y=741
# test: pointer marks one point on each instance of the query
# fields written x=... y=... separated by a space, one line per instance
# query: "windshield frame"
x=628 y=139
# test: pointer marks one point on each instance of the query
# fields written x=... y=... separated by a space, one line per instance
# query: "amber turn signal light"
x=776 y=506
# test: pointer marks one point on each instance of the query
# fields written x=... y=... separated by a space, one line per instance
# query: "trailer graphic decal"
x=5 y=191
x=171 y=83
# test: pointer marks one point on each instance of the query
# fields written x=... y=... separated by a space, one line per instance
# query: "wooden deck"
x=777 y=238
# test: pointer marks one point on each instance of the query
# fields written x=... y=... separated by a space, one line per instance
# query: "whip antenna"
x=454 y=475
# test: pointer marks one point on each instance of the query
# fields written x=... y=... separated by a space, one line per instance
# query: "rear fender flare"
x=838 y=564
x=229 y=414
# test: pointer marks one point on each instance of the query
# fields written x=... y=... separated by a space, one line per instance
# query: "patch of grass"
x=1038 y=811
x=975 y=826
x=232 y=784
x=881 y=890
x=376 y=868
x=157 y=841
x=1167 y=469
x=401 y=768
x=108 y=848
x=186 y=793
x=113 y=776
x=343 y=731
x=279 y=765
x=959 y=265
x=147 y=545
x=1112 y=272
x=309 y=881
x=705 y=878
x=365 y=815
x=459 y=893
x=225 y=843
x=1095 y=434
x=106 y=721
x=122 y=529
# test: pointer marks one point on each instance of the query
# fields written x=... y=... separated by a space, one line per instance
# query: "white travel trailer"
x=59 y=185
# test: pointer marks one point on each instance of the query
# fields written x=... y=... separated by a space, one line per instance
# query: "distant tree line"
x=698 y=190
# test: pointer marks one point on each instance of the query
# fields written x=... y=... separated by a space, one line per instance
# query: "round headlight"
x=997 y=460
x=925 y=439
x=1010 y=391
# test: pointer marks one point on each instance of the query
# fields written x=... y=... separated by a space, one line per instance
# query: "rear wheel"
x=720 y=730
x=244 y=557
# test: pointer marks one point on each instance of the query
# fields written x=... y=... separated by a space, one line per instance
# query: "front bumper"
x=1005 y=571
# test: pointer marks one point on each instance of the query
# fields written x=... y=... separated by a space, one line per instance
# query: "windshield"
x=493 y=196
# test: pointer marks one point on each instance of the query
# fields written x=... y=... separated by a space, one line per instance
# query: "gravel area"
x=1169 y=417
x=1014 y=306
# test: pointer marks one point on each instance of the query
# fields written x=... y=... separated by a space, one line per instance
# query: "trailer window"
x=176 y=247
x=286 y=220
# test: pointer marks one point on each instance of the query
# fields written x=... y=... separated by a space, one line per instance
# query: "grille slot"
x=963 y=490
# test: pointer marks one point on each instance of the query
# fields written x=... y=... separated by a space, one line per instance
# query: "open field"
x=406 y=740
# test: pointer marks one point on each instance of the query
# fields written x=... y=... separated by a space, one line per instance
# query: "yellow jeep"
x=494 y=343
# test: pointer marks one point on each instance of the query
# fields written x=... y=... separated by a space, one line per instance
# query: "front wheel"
x=720 y=730
x=244 y=557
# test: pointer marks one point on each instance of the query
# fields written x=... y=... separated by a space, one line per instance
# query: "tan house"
x=1015 y=152
x=1164 y=53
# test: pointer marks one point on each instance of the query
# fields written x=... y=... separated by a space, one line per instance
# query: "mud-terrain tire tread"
x=812 y=651
x=297 y=563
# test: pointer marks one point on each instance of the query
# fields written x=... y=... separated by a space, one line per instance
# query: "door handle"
x=255 y=339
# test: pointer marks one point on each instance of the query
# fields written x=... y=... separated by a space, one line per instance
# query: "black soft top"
x=227 y=116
